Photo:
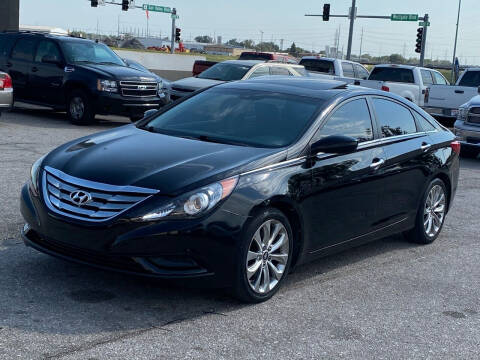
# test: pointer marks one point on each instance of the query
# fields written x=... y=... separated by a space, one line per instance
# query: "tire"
x=468 y=152
x=80 y=108
x=262 y=283
x=436 y=193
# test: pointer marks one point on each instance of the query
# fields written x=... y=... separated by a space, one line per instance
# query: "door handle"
x=34 y=69
x=459 y=91
x=377 y=163
x=425 y=146
x=9 y=64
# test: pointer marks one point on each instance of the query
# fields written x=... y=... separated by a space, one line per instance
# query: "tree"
x=396 y=59
x=248 y=44
x=204 y=39
x=234 y=42
x=267 y=46
x=293 y=49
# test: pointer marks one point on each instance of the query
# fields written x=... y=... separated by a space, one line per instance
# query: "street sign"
x=175 y=16
x=156 y=8
x=404 y=17
x=424 y=23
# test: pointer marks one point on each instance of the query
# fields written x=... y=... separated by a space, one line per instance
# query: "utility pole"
x=261 y=40
x=424 y=39
x=118 y=26
x=281 y=44
x=350 y=31
x=455 y=46
x=174 y=15
x=361 y=42
x=404 y=50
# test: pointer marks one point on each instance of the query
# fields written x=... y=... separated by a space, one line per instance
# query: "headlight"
x=462 y=114
x=194 y=203
x=34 y=172
x=107 y=85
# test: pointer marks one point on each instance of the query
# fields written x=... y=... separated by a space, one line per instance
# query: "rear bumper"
x=6 y=99
x=115 y=104
x=441 y=112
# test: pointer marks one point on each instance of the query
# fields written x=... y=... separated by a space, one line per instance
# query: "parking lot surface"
x=386 y=300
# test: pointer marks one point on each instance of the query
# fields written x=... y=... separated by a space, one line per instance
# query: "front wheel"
x=264 y=257
x=80 y=108
x=431 y=214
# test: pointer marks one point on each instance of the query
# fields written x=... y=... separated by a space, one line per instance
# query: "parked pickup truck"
x=411 y=82
x=6 y=92
x=333 y=69
x=467 y=127
x=444 y=100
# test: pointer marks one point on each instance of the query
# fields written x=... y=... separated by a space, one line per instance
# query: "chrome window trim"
x=279 y=165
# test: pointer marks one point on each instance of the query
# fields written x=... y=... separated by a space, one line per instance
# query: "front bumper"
x=467 y=135
x=441 y=112
x=116 y=104
x=201 y=248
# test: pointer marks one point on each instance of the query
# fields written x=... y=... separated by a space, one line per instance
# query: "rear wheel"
x=79 y=108
x=264 y=257
x=431 y=214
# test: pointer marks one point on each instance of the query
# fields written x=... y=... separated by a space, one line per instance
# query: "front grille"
x=139 y=88
x=105 y=201
x=474 y=116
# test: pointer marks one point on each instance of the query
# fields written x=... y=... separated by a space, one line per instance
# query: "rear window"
x=255 y=56
x=394 y=118
x=24 y=49
x=470 y=78
x=392 y=74
x=317 y=65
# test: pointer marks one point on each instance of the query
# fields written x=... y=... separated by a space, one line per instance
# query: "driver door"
x=345 y=188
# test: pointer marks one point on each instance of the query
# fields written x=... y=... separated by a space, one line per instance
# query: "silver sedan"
x=6 y=91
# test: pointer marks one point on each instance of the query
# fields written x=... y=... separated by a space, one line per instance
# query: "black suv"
x=80 y=76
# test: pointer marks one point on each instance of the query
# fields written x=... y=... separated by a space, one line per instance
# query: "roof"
x=327 y=59
x=322 y=89
x=244 y=62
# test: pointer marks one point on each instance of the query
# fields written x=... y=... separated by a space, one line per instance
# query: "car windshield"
x=86 y=51
x=239 y=117
x=225 y=72
x=392 y=74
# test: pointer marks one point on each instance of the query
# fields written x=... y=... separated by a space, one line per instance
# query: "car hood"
x=474 y=101
x=194 y=83
x=132 y=156
x=117 y=72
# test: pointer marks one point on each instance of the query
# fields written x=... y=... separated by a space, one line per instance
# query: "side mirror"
x=334 y=144
x=149 y=113
x=49 y=59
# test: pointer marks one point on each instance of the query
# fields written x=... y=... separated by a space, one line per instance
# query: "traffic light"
x=177 y=34
x=94 y=3
x=125 y=5
x=326 y=12
x=418 y=45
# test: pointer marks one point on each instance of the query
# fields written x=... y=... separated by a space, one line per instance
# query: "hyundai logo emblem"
x=80 y=197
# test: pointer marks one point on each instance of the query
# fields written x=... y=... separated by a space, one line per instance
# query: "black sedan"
x=243 y=181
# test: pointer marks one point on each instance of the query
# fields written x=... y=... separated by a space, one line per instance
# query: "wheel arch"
x=448 y=185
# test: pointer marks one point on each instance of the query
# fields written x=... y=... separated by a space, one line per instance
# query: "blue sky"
x=281 y=19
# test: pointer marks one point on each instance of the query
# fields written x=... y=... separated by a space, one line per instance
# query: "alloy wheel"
x=267 y=256
x=77 y=108
x=434 y=211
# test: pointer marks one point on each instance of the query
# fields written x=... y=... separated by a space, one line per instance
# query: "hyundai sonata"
x=242 y=182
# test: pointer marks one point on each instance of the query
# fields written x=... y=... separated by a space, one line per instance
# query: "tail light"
x=385 y=88
x=427 y=94
x=455 y=145
x=5 y=82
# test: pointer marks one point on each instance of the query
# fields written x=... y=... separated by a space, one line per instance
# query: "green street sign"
x=156 y=8
x=404 y=17
x=175 y=17
x=423 y=23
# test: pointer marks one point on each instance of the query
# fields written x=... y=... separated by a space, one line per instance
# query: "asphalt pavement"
x=385 y=300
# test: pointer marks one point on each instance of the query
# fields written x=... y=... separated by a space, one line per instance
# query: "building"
x=221 y=49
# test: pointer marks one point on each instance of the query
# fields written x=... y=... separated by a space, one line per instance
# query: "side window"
x=24 y=49
x=394 y=119
x=47 y=48
x=352 y=119
x=470 y=78
x=439 y=79
x=361 y=72
x=424 y=123
x=276 y=70
x=426 y=77
x=348 y=70
x=261 y=71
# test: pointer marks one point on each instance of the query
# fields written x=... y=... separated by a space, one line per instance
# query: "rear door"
x=408 y=151
x=46 y=78
x=19 y=65
x=347 y=69
x=345 y=188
